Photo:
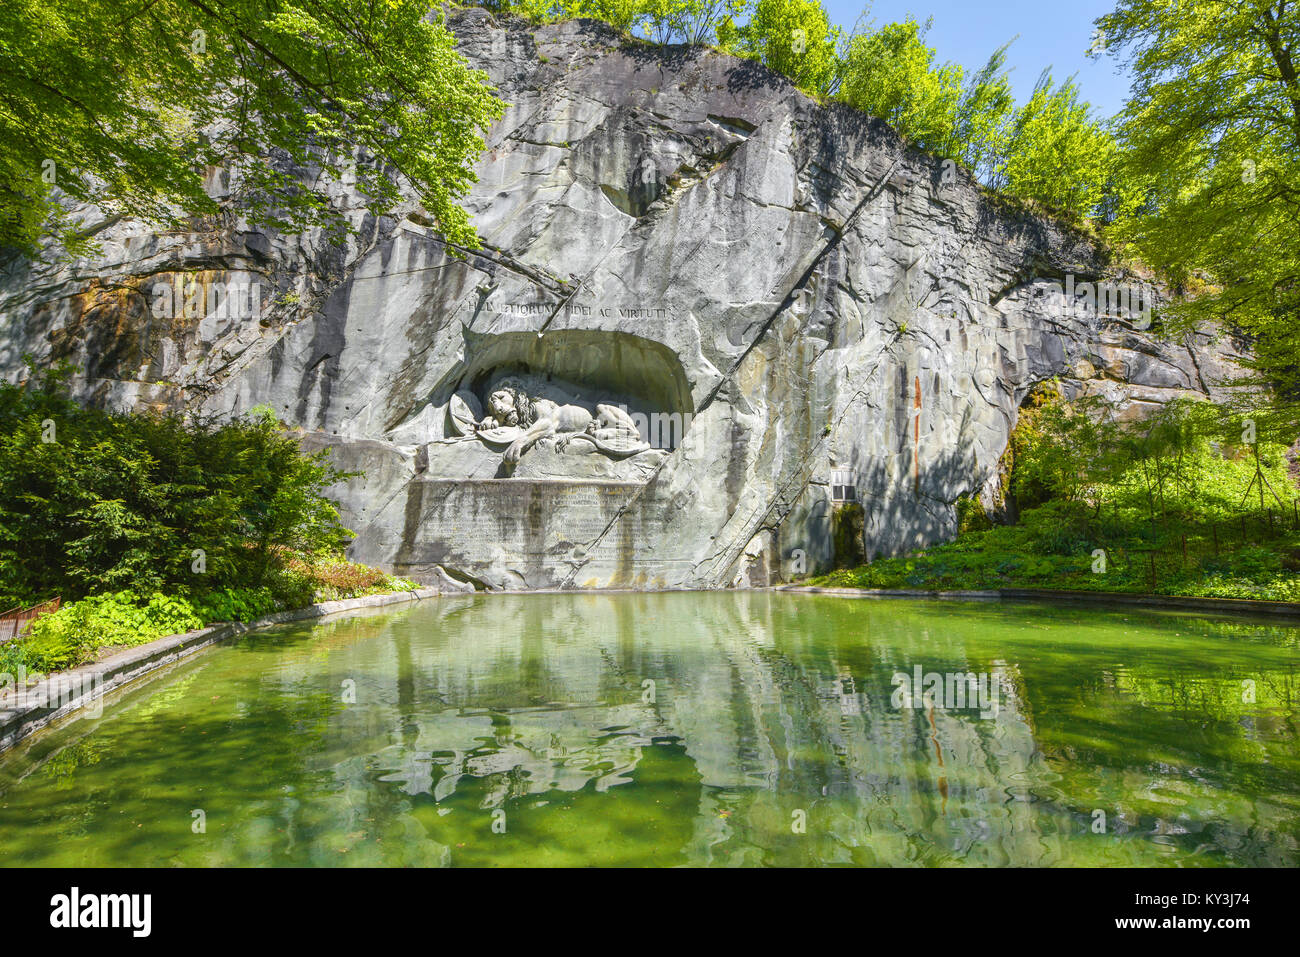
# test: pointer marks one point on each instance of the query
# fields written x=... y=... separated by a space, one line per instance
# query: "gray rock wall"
x=781 y=295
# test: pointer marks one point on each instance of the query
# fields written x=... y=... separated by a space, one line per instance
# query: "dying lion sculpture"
x=511 y=410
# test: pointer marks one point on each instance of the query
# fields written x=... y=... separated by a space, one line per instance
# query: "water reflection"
x=732 y=728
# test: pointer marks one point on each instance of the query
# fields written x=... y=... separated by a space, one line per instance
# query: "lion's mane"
x=524 y=410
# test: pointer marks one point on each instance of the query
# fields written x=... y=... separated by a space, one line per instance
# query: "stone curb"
x=1237 y=606
x=61 y=694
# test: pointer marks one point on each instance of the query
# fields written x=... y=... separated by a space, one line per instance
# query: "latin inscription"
x=605 y=311
x=529 y=519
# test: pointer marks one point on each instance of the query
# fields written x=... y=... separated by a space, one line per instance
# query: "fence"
x=14 y=621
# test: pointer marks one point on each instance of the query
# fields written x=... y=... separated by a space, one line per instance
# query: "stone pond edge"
x=66 y=692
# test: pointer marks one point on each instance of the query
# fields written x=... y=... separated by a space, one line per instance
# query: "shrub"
x=93 y=502
x=75 y=632
x=1162 y=497
x=12 y=657
x=971 y=516
x=149 y=525
x=236 y=604
x=78 y=630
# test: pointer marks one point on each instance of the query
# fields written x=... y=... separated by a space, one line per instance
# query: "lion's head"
x=510 y=404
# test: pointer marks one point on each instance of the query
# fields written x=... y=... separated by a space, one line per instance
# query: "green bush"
x=12 y=657
x=971 y=516
x=1170 y=491
x=75 y=632
x=150 y=525
x=236 y=604
x=93 y=502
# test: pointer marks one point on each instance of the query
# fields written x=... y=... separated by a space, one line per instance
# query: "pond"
x=724 y=728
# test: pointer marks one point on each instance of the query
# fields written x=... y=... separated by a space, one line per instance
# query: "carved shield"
x=464 y=412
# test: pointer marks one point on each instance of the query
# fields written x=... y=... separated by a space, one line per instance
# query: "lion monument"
x=519 y=419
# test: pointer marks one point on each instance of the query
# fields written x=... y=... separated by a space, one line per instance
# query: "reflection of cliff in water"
x=731 y=713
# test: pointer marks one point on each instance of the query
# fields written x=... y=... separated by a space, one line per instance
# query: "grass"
x=80 y=631
x=1057 y=546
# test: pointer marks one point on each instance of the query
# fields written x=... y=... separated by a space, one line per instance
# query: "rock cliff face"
x=708 y=308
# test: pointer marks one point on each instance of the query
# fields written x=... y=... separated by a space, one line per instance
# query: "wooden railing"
x=15 y=620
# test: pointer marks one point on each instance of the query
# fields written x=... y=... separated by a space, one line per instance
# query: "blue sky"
x=1053 y=33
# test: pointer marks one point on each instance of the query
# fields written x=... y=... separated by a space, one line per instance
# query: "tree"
x=690 y=21
x=890 y=73
x=1212 y=135
x=625 y=15
x=662 y=21
x=979 y=133
x=1056 y=153
x=1049 y=150
x=128 y=106
x=794 y=37
x=1063 y=450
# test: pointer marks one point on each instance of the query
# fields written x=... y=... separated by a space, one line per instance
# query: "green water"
x=708 y=729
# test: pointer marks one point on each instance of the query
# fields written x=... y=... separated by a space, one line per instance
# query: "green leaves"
x=890 y=73
x=794 y=37
x=149 y=525
x=1055 y=153
x=236 y=604
x=664 y=21
x=1212 y=138
x=120 y=501
x=1049 y=151
x=76 y=631
x=130 y=107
